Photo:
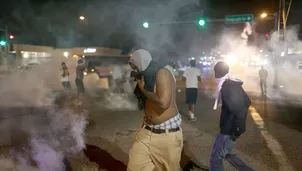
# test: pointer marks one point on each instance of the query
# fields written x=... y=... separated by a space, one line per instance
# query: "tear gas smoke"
x=37 y=128
x=49 y=142
x=246 y=32
x=288 y=67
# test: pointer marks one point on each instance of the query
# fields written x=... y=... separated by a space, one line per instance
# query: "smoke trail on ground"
x=42 y=127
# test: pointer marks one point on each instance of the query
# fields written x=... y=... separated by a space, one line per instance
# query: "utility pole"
x=278 y=19
x=3 y=57
x=276 y=56
x=6 y=39
x=284 y=16
x=6 y=47
x=283 y=13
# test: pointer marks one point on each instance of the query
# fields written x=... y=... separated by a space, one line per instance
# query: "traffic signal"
x=2 y=43
x=11 y=37
x=267 y=35
x=202 y=22
x=146 y=24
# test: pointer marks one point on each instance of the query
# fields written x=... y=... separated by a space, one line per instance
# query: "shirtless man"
x=158 y=143
x=79 y=80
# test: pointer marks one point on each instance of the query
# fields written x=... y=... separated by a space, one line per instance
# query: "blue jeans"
x=224 y=149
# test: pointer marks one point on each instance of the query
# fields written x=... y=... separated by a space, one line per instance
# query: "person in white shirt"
x=65 y=77
x=192 y=76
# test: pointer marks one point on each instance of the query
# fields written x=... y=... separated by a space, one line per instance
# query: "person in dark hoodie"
x=235 y=103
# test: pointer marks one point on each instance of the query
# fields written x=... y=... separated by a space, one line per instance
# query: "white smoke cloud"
x=38 y=129
x=246 y=32
x=288 y=72
x=46 y=157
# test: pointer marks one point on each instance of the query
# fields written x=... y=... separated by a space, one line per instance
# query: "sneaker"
x=193 y=118
x=77 y=102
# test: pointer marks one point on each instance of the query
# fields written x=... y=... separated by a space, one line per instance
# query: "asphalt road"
x=272 y=140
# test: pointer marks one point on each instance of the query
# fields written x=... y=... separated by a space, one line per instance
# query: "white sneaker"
x=77 y=103
x=192 y=116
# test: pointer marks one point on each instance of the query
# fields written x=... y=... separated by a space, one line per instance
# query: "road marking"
x=272 y=143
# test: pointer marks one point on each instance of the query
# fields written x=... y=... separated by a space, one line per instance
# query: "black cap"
x=221 y=69
x=193 y=63
x=80 y=61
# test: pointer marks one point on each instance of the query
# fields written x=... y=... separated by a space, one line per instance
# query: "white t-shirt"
x=63 y=79
x=191 y=75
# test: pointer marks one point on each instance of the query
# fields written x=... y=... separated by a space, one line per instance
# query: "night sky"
x=56 y=22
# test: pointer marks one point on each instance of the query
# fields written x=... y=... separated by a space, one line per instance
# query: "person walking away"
x=158 y=143
x=65 y=77
x=79 y=80
x=263 y=77
x=235 y=105
x=192 y=76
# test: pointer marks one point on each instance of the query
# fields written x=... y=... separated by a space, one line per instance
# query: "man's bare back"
x=166 y=88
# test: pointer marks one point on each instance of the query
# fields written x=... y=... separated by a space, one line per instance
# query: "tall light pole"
x=4 y=43
x=276 y=18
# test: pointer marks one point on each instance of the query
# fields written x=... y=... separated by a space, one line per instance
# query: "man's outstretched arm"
x=163 y=93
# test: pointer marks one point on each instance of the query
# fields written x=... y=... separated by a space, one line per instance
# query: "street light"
x=82 y=18
x=146 y=24
x=202 y=22
x=66 y=54
x=263 y=15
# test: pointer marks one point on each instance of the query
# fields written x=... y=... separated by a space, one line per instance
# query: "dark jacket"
x=235 y=105
x=149 y=75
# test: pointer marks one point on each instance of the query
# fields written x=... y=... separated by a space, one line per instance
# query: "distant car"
x=28 y=66
x=31 y=65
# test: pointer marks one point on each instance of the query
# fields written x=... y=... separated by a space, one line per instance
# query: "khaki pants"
x=160 y=151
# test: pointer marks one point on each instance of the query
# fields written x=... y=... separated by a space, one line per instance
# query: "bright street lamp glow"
x=66 y=54
x=263 y=15
x=231 y=60
x=146 y=25
x=82 y=18
x=25 y=55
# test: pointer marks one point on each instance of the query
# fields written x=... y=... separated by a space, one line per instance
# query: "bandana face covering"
x=219 y=82
x=141 y=59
